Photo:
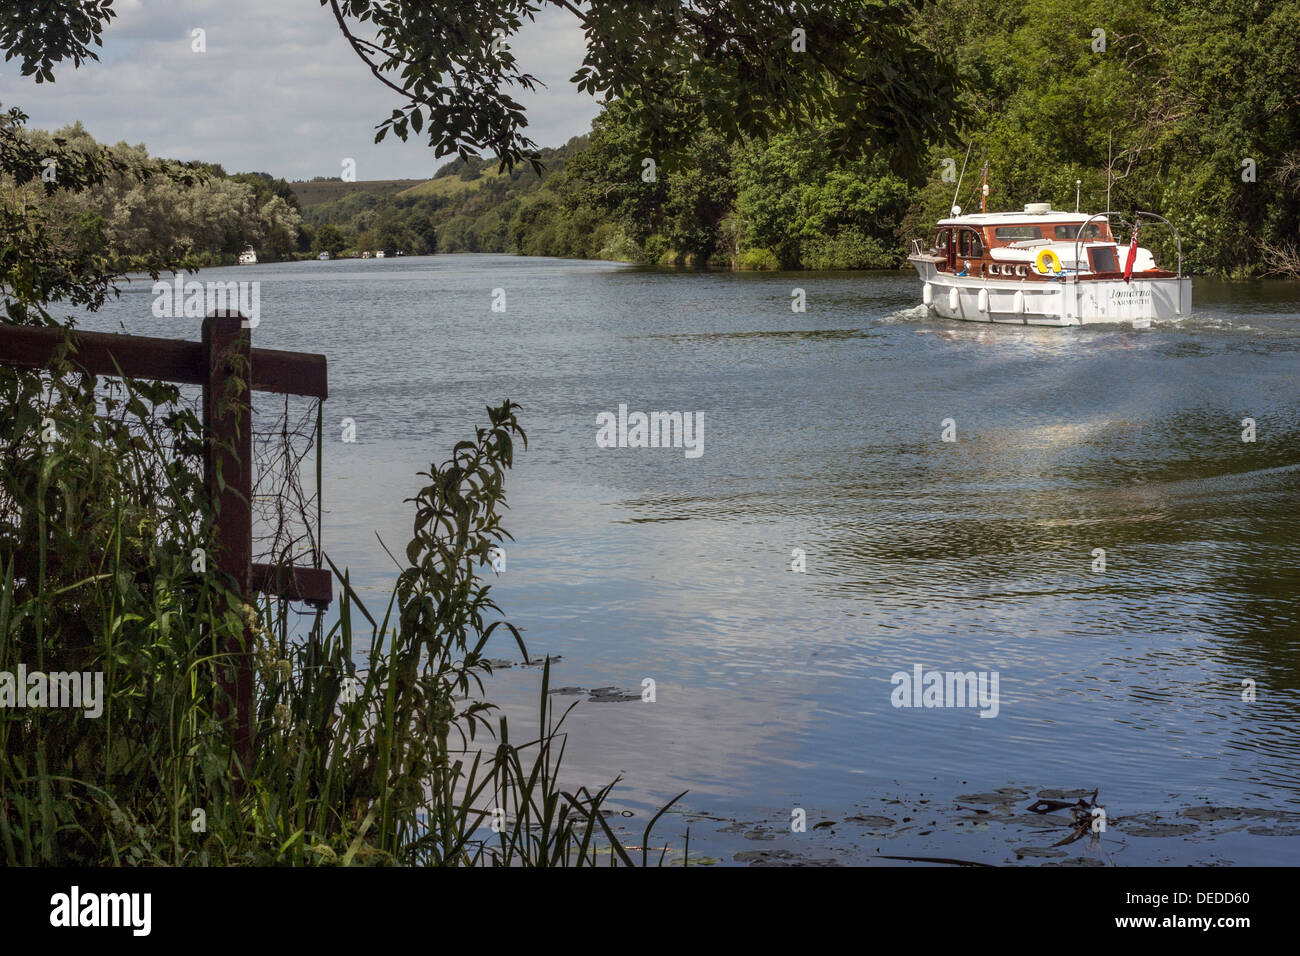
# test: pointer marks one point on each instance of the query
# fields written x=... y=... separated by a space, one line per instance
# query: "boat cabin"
x=1007 y=244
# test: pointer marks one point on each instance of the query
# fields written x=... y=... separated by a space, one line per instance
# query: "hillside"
x=468 y=206
x=319 y=191
x=449 y=185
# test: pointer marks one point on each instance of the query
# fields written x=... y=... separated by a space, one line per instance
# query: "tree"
x=812 y=211
x=145 y=207
x=328 y=239
x=56 y=30
x=739 y=67
x=278 y=226
x=612 y=174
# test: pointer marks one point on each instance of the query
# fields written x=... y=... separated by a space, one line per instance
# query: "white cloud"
x=278 y=90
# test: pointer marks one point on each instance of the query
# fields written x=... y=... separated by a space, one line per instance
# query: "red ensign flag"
x=1132 y=254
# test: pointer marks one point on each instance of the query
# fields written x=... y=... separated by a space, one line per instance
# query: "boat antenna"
x=957 y=191
x=1078 y=184
x=984 y=188
x=1109 y=165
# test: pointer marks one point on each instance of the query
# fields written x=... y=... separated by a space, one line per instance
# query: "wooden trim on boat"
x=1149 y=274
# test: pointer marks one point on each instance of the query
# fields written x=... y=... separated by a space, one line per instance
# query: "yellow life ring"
x=1048 y=261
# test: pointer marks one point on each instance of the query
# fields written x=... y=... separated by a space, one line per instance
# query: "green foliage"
x=97 y=521
x=759 y=259
x=55 y=243
x=327 y=239
x=468 y=206
x=135 y=212
x=815 y=213
x=848 y=249
x=97 y=526
x=56 y=30
x=615 y=244
x=1165 y=114
x=733 y=68
x=322 y=189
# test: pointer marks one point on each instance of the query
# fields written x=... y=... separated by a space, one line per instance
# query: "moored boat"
x=248 y=257
x=1046 y=267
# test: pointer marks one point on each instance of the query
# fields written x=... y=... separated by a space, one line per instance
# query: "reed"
x=401 y=761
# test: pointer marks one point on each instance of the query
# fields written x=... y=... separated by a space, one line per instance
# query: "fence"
x=223 y=354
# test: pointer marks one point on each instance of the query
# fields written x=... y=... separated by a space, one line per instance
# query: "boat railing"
x=1178 y=242
x=916 y=248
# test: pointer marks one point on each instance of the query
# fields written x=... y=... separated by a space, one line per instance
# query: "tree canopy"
x=741 y=69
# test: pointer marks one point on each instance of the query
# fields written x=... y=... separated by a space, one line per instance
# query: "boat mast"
x=984 y=189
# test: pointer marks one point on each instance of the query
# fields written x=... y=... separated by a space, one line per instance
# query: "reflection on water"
x=824 y=434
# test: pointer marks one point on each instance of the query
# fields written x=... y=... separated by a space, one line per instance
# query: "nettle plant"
x=399 y=761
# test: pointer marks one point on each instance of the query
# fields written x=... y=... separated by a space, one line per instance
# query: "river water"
x=824 y=437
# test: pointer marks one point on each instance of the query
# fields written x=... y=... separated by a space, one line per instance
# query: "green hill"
x=319 y=191
x=450 y=185
x=468 y=206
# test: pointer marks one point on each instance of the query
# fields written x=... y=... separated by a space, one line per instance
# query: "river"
x=1131 y=671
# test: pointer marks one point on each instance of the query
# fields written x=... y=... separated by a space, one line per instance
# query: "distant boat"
x=379 y=254
x=248 y=257
x=365 y=255
x=323 y=257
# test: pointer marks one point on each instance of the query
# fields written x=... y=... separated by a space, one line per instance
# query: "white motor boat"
x=248 y=257
x=1044 y=267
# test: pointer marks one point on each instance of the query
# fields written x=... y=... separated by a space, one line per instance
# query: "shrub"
x=758 y=259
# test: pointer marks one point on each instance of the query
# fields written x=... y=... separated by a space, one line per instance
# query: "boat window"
x=968 y=244
x=941 y=239
x=1094 y=231
x=1016 y=233
x=1103 y=259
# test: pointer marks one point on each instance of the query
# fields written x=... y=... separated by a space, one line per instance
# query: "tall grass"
x=398 y=761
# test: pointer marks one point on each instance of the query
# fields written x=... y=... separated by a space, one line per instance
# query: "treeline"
x=468 y=206
x=1190 y=110
x=751 y=206
x=149 y=209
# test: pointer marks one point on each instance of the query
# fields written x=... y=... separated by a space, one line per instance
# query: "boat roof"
x=1008 y=218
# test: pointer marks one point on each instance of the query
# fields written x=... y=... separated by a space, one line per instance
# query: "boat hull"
x=1067 y=301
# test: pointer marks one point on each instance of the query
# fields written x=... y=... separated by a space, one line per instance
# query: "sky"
x=279 y=90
